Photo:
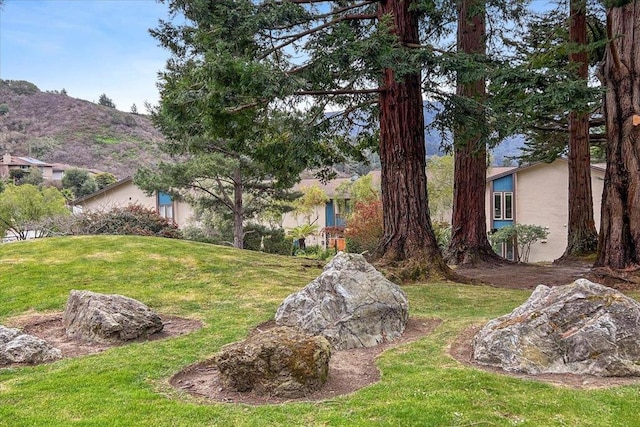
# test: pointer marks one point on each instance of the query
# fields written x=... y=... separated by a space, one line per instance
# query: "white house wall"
x=541 y=198
x=318 y=217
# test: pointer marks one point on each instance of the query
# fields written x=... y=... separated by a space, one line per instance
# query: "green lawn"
x=232 y=291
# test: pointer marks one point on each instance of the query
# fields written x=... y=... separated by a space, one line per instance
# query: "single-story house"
x=536 y=194
x=125 y=192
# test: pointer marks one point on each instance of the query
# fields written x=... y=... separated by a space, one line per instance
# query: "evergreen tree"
x=106 y=101
x=582 y=236
x=352 y=55
x=79 y=181
x=551 y=103
x=234 y=152
x=619 y=241
x=469 y=243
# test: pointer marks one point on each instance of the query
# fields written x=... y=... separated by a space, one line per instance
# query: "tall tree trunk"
x=408 y=244
x=619 y=242
x=469 y=243
x=238 y=210
x=582 y=237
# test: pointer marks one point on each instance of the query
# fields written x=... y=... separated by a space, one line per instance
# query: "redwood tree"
x=469 y=243
x=408 y=233
x=349 y=54
x=619 y=241
x=582 y=237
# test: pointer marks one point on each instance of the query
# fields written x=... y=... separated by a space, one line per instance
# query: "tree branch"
x=340 y=91
x=424 y=46
x=327 y=15
x=222 y=199
x=298 y=36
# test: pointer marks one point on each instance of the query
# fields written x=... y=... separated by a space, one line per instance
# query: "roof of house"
x=331 y=187
x=499 y=172
x=24 y=161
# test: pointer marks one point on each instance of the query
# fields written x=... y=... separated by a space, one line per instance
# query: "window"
x=503 y=205
x=165 y=205
x=343 y=214
x=508 y=251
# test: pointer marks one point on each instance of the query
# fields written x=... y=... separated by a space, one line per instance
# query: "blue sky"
x=87 y=47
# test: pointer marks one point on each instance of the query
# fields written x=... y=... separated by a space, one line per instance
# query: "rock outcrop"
x=282 y=362
x=581 y=328
x=104 y=318
x=351 y=303
x=16 y=347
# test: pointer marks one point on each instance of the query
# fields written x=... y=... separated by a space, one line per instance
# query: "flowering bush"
x=364 y=227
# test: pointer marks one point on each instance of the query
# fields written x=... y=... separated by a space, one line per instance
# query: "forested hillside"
x=58 y=128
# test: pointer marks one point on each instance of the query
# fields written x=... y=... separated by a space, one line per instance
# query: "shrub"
x=204 y=235
x=523 y=235
x=104 y=180
x=4 y=109
x=130 y=220
x=20 y=87
x=276 y=242
x=364 y=227
x=252 y=239
x=273 y=241
x=442 y=231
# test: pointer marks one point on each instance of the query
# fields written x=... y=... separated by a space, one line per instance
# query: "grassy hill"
x=231 y=291
x=58 y=128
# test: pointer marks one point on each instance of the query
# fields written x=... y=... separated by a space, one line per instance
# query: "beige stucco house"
x=330 y=216
x=537 y=195
x=125 y=192
x=51 y=172
x=10 y=163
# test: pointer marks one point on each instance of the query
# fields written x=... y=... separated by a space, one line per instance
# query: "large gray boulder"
x=350 y=303
x=104 y=318
x=281 y=362
x=16 y=347
x=581 y=328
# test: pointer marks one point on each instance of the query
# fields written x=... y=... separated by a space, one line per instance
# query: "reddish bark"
x=408 y=241
x=469 y=243
x=619 y=242
x=582 y=237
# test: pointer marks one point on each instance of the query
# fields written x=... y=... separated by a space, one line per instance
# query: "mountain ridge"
x=58 y=128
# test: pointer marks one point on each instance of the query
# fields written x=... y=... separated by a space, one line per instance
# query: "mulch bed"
x=349 y=370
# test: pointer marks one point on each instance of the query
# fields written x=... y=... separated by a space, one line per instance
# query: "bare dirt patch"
x=462 y=350
x=49 y=327
x=349 y=370
x=528 y=276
